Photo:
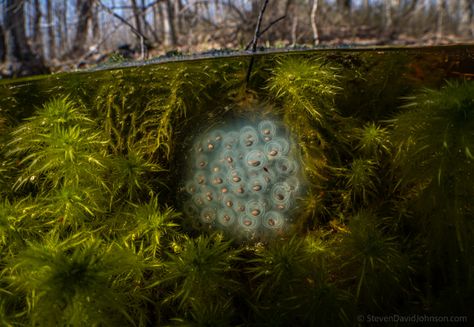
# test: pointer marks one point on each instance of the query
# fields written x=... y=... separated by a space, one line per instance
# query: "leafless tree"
x=66 y=29
x=19 y=58
x=467 y=18
x=62 y=27
x=441 y=10
x=137 y=16
x=51 y=35
x=314 y=11
x=170 y=24
x=37 y=42
x=84 y=15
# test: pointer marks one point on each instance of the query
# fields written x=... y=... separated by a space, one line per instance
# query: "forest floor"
x=132 y=54
x=127 y=53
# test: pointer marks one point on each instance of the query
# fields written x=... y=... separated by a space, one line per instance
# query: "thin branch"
x=255 y=40
x=237 y=11
x=259 y=23
x=142 y=37
x=266 y=29
x=142 y=9
x=123 y=20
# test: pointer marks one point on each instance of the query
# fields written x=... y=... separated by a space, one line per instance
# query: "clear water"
x=336 y=174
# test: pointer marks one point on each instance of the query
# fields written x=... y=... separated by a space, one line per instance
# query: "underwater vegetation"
x=181 y=194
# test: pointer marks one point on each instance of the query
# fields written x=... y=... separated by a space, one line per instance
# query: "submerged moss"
x=92 y=169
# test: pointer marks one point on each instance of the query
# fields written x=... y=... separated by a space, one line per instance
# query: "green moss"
x=90 y=227
x=77 y=282
x=434 y=139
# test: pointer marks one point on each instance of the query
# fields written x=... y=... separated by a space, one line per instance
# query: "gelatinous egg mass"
x=244 y=179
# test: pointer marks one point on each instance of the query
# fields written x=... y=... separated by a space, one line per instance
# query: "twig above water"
x=255 y=39
x=264 y=30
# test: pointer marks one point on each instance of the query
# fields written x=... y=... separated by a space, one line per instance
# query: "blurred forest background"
x=40 y=36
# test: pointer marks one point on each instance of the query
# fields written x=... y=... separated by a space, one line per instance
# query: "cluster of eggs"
x=243 y=179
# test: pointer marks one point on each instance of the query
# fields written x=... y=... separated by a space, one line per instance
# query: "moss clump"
x=90 y=227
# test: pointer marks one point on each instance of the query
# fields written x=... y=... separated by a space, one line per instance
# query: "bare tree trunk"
x=49 y=19
x=37 y=35
x=294 y=30
x=2 y=44
x=137 y=17
x=218 y=11
x=95 y=23
x=162 y=22
x=401 y=13
x=15 y=38
x=467 y=20
x=149 y=29
x=63 y=28
x=366 y=10
x=172 y=39
x=314 y=11
x=178 y=6
x=441 y=9
x=156 y=26
x=388 y=15
x=143 y=15
x=344 y=5
x=344 y=9
x=84 y=13
x=453 y=15
x=19 y=58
